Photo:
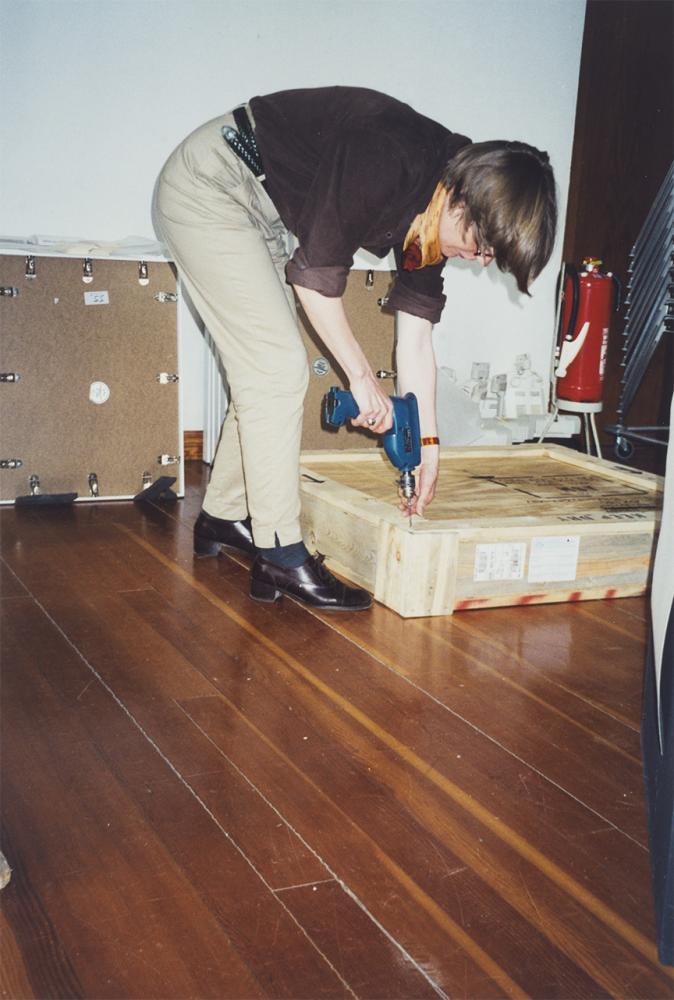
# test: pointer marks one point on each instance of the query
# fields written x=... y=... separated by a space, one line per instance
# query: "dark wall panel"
x=624 y=143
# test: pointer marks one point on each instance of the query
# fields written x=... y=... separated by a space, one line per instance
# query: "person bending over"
x=340 y=168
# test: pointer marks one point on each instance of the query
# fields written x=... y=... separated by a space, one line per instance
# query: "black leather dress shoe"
x=211 y=533
x=311 y=583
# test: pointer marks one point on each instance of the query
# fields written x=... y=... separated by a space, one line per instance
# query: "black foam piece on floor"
x=45 y=499
x=159 y=490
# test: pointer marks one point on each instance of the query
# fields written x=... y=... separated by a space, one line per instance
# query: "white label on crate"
x=500 y=561
x=99 y=393
x=553 y=559
x=96 y=299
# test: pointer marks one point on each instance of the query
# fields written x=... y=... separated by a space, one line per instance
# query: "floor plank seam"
x=333 y=874
x=493 y=740
x=304 y=885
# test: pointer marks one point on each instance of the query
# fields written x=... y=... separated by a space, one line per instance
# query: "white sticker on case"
x=500 y=561
x=96 y=299
x=99 y=393
x=554 y=559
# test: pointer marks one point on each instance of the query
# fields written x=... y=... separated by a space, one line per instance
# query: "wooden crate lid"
x=526 y=484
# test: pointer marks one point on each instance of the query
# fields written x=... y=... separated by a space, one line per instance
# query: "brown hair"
x=507 y=193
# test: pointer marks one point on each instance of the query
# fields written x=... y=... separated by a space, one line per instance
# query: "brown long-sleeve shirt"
x=346 y=168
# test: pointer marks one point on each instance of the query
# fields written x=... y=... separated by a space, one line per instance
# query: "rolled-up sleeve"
x=405 y=299
x=420 y=292
x=329 y=281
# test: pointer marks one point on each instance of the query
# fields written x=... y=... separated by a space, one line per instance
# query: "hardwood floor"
x=207 y=797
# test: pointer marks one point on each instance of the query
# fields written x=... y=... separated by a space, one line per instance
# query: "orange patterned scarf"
x=422 y=243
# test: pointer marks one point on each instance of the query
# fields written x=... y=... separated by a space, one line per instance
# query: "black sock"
x=290 y=556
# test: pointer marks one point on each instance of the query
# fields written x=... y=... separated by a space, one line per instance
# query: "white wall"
x=96 y=93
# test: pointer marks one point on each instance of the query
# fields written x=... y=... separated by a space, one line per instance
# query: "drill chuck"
x=407 y=484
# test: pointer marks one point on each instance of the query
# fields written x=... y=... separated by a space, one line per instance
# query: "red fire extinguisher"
x=589 y=298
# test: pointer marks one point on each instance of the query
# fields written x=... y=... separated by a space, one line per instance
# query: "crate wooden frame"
x=427 y=567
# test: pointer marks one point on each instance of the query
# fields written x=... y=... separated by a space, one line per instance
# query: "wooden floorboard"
x=206 y=797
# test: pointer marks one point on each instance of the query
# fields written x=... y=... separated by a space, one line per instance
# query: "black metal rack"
x=649 y=315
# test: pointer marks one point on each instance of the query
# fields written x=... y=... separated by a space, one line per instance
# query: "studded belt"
x=241 y=140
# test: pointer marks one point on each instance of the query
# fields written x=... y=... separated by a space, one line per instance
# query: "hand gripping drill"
x=402 y=443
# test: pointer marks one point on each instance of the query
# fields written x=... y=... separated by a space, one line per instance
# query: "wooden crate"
x=529 y=524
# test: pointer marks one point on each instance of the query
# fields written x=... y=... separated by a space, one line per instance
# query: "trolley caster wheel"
x=624 y=448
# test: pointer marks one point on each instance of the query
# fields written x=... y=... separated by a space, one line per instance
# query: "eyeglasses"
x=484 y=256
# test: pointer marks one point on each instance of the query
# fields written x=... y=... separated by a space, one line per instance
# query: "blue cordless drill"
x=402 y=443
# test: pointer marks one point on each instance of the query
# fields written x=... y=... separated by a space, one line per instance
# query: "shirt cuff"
x=405 y=300
x=329 y=281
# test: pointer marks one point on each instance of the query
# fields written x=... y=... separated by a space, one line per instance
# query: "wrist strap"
x=429 y=440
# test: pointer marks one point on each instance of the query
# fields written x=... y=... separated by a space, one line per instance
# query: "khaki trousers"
x=229 y=245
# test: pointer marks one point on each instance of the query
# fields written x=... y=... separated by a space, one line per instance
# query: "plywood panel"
x=61 y=345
